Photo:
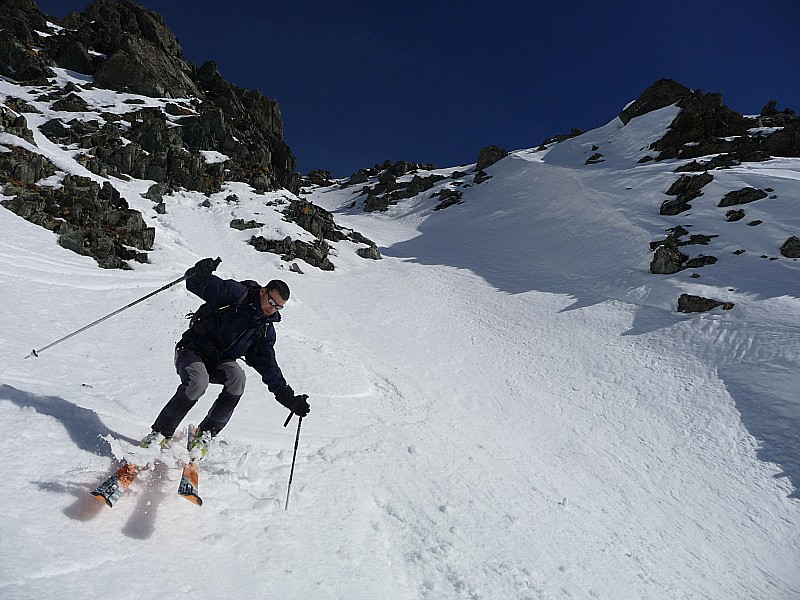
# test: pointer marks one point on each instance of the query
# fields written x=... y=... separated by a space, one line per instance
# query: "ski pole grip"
x=216 y=263
x=289 y=418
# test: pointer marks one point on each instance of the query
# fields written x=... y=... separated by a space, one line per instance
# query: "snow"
x=506 y=406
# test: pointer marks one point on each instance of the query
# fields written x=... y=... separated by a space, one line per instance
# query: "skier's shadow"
x=86 y=431
x=84 y=427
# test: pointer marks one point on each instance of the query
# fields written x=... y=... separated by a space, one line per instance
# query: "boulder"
x=315 y=254
x=688 y=303
x=667 y=260
x=743 y=196
x=489 y=156
x=791 y=247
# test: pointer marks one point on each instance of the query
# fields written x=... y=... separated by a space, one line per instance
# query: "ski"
x=189 y=486
x=111 y=489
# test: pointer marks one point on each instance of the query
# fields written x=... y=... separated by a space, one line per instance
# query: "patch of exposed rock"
x=791 y=247
x=688 y=303
x=685 y=189
x=320 y=223
x=89 y=219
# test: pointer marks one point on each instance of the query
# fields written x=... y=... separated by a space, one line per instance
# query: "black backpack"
x=205 y=311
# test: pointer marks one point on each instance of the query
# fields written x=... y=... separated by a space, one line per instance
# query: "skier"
x=237 y=321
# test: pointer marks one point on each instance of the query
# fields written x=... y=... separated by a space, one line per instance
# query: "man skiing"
x=237 y=321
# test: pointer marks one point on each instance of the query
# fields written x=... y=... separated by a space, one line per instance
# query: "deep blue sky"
x=362 y=82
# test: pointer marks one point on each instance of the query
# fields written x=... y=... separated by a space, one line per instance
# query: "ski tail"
x=189 y=486
x=112 y=488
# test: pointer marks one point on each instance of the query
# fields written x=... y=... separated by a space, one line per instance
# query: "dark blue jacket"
x=242 y=331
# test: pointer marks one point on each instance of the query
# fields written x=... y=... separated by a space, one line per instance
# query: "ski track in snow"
x=538 y=427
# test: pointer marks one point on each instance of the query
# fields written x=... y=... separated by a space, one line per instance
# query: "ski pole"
x=116 y=312
x=291 y=473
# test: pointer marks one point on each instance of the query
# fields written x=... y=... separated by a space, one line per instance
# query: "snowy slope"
x=507 y=406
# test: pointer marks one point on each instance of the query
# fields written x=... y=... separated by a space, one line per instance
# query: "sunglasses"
x=274 y=304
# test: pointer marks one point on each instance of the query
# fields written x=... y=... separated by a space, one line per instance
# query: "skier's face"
x=270 y=301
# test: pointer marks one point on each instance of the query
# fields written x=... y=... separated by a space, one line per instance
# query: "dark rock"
x=15 y=124
x=667 y=260
x=489 y=156
x=661 y=94
x=734 y=215
x=320 y=178
x=314 y=219
x=448 y=197
x=71 y=103
x=561 y=138
x=700 y=261
x=157 y=191
x=18 y=61
x=688 y=303
x=743 y=196
x=142 y=55
x=754 y=223
x=370 y=252
x=595 y=158
x=315 y=254
x=791 y=247
x=480 y=177
x=723 y=161
x=24 y=167
x=687 y=183
x=674 y=207
x=701 y=128
x=242 y=225
x=89 y=219
x=770 y=109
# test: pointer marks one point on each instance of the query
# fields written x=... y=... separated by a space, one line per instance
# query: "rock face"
x=490 y=155
x=390 y=190
x=661 y=94
x=127 y=48
x=89 y=219
x=705 y=126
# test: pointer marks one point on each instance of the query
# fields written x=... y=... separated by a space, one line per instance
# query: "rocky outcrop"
x=661 y=94
x=791 y=247
x=685 y=189
x=89 y=219
x=127 y=47
x=489 y=156
x=743 y=196
x=315 y=254
x=319 y=178
x=705 y=126
x=319 y=222
x=389 y=190
x=448 y=197
x=139 y=53
x=688 y=303
x=668 y=259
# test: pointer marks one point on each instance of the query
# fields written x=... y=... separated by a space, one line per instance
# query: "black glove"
x=297 y=404
x=204 y=267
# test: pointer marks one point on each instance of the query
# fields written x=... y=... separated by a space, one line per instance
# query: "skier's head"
x=274 y=296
